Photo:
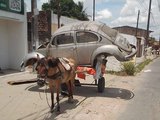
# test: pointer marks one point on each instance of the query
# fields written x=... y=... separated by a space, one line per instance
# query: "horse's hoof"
x=58 y=112
x=64 y=93
x=52 y=110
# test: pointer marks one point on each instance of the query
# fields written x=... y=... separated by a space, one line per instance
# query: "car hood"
x=30 y=59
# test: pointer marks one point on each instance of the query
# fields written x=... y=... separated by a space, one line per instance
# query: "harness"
x=56 y=75
x=59 y=74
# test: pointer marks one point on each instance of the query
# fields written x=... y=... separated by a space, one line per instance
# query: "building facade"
x=13 y=34
x=140 y=35
x=132 y=31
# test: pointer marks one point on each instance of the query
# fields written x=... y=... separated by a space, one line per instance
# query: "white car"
x=84 y=41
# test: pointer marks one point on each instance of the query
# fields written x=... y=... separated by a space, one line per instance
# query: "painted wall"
x=13 y=39
x=3 y=45
x=63 y=20
x=17 y=45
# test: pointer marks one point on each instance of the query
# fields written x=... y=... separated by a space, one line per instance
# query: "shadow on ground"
x=45 y=114
x=91 y=91
x=84 y=91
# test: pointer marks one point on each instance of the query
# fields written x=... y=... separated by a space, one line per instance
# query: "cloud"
x=130 y=8
x=103 y=14
x=76 y=1
x=129 y=13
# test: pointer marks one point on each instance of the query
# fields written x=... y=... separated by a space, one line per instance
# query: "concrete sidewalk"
x=29 y=102
x=114 y=65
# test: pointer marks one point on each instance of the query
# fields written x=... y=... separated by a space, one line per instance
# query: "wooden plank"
x=22 y=81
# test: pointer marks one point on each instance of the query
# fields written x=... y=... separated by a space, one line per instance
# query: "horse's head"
x=46 y=66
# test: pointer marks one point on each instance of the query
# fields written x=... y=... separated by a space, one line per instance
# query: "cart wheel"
x=101 y=84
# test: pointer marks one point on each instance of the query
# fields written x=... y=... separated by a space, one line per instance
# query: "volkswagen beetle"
x=84 y=41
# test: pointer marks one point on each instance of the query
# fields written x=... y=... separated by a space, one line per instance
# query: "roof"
x=131 y=27
x=81 y=25
x=90 y=26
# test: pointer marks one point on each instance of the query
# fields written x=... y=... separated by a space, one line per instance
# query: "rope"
x=47 y=97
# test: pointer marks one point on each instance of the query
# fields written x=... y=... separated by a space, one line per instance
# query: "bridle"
x=42 y=62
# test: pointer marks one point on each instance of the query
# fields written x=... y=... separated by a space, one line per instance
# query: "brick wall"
x=132 y=31
x=44 y=26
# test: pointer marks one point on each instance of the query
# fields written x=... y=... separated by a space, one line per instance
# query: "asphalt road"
x=146 y=103
x=124 y=98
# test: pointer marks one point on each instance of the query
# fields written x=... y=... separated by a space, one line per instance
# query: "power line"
x=154 y=21
x=141 y=3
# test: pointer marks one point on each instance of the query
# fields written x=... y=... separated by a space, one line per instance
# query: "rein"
x=56 y=75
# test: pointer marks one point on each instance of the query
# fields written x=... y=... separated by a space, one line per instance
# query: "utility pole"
x=137 y=22
x=58 y=13
x=34 y=31
x=159 y=41
x=93 y=10
x=149 y=12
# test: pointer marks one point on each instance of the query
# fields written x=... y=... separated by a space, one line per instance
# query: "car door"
x=63 y=45
x=86 y=43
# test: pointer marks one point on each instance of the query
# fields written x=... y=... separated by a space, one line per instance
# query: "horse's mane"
x=53 y=62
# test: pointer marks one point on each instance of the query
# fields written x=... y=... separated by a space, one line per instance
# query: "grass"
x=141 y=66
x=129 y=69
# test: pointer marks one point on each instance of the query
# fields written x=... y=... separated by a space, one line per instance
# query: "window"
x=65 y=38
x=83 y=37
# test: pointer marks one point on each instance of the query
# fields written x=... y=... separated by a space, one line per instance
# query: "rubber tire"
x=101 y=85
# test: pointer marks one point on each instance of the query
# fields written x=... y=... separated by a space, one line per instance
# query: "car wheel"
x=101 y=84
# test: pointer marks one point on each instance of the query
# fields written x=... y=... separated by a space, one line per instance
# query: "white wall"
x=3 y=45
x=13 y=39
x=17 y=46
x=63 y=19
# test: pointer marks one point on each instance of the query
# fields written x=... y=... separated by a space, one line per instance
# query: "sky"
x=116 y=13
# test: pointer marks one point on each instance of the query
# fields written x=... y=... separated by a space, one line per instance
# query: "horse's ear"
x=38 y=58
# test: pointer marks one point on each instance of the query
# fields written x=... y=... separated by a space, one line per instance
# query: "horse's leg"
x=70 y=93
x=52 y=96
x=71 y=89
x=57 y=97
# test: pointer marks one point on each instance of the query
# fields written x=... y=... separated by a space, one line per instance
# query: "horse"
x=57 y=71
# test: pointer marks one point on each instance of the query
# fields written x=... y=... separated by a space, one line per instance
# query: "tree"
x=67 y=8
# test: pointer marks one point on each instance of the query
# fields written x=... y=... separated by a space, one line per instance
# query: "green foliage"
x=142 y=65
x=67 y=8
x=129 y=68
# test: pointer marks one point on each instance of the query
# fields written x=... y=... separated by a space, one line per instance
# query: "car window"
x=83 y=37
x=65 y=38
